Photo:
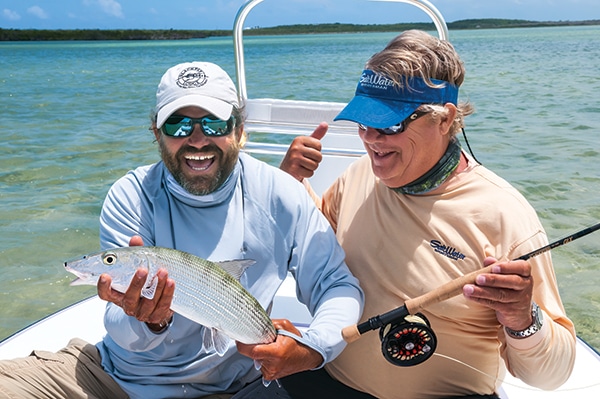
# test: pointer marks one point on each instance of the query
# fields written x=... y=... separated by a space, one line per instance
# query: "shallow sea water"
x=75 y=119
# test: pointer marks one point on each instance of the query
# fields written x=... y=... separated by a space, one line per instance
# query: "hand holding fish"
x=142 y=281
x=155 y=312
x=283 y=357
x=508 y=290
x=304 y=154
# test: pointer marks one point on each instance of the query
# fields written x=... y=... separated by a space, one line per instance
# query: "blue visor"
x=379 y=103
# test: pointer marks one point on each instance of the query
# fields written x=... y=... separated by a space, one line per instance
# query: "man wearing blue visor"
x=417 y=212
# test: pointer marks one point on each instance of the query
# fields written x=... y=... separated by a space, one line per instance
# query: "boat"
x=341 y=146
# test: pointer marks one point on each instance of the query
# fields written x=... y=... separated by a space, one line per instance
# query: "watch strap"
x=535 y=326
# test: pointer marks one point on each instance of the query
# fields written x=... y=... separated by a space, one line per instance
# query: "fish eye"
x=109 y=259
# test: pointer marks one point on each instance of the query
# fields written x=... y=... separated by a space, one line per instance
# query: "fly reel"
x=409 y=342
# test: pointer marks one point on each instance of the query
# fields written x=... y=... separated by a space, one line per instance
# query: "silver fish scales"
x=206 y=292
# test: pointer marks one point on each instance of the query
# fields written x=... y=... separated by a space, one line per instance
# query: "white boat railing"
x=242 y=14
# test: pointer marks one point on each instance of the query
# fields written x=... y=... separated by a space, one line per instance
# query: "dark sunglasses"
x=182 y=126
x=398 y=128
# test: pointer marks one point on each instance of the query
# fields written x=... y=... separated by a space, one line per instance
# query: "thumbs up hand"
x=304 y=154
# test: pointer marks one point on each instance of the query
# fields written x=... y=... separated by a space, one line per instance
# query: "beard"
x=200 y=185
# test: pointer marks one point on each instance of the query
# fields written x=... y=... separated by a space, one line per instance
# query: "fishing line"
x=504 y=382
x=408 y=341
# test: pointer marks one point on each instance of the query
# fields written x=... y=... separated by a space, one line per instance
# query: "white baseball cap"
x=201 y=84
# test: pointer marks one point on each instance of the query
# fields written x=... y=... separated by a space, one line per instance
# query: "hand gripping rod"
x=446 y=291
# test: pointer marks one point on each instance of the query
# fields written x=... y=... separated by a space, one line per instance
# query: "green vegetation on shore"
x=98 y=34
x=172 y=34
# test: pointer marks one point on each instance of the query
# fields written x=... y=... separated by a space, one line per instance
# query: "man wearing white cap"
x=207 y=198
x=417 y=212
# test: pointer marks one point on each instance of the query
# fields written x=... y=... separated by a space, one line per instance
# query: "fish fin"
x=149 y=290
x=212 y=339
x=207 y=341
x=265 y=382
x=236 y=267
x=220 y=342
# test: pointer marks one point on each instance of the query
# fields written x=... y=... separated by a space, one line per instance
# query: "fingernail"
x=468 y=289
x=480 y=279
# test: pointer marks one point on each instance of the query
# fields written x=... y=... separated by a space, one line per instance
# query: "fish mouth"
x=199 y=162
x=80 y=279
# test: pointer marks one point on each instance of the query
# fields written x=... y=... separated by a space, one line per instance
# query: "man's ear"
x=242 y=136
x=156 y=132
x=448 y=120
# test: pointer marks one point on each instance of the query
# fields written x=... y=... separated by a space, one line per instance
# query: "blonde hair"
x=415 y=53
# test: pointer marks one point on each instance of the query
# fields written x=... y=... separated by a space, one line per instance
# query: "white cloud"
x=38 y=12
x=10 y=14
x=110 y=7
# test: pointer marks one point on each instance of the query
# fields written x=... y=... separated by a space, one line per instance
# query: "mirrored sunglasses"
x=183 y=126
x=398 y=128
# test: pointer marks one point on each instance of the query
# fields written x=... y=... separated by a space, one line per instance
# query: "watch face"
x=538 y=316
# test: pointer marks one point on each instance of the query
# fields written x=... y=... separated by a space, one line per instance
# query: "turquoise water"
x=75 y=118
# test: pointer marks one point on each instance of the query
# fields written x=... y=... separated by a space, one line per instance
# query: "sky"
x=220 y=14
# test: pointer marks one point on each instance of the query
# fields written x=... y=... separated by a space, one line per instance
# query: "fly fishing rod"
x=405 y=334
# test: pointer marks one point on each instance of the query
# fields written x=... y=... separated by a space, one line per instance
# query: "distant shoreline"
x=173 y=34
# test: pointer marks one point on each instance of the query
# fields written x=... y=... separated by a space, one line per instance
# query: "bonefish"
x=208 y=293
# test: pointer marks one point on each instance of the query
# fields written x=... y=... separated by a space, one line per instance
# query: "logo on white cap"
x=191 y=77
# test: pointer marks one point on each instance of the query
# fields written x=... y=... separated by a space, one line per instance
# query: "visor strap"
x=437 y=175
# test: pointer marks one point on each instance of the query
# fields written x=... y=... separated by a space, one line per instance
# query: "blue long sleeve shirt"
x=259 y=213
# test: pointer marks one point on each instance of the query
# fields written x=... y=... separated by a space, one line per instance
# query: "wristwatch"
x=536 y=325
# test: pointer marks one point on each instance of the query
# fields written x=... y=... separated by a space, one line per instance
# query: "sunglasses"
x=398 y=128
x=182 y=126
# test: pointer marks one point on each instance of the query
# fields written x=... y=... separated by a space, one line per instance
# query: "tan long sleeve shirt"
x=402 y=246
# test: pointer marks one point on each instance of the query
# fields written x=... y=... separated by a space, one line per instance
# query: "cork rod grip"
x=445 y=291
x=412 y=306
x=350 y=333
